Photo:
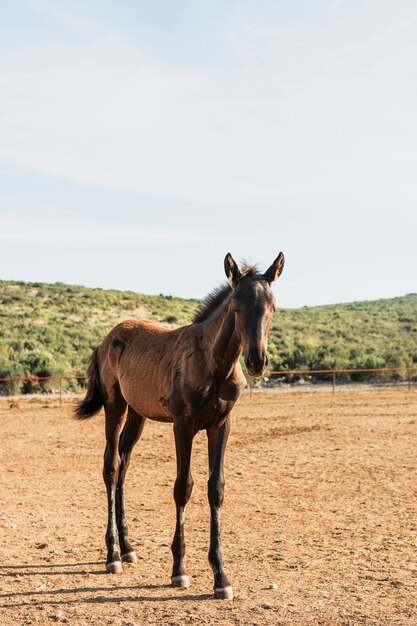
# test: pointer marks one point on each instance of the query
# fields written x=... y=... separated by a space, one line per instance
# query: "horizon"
x=172 y=295
x=143 y=141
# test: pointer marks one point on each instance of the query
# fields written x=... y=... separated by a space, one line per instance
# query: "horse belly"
x=145 y=399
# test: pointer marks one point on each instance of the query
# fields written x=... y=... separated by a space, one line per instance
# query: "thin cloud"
x=89 y=234
x=309 y=125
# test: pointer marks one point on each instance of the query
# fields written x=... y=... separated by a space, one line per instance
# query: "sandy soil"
x=319 y=516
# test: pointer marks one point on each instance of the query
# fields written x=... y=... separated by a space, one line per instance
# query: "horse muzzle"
x=256 y=364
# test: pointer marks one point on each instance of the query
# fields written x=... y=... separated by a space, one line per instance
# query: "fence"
x=37 y=379
x=330 y=373
x=333 y=373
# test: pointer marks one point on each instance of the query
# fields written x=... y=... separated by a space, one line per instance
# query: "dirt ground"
x=319 y=517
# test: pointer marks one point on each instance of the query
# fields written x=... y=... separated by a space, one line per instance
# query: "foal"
x=191 y=377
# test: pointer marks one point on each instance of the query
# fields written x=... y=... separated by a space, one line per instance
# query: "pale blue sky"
x=141 y=141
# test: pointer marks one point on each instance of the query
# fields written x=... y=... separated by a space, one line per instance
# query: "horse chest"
x=212 y=412
x=208 y=405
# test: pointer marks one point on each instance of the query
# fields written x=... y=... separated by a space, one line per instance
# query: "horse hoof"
x=223 y=593
x=130 y=557
x=180 y=581
x=115 y=567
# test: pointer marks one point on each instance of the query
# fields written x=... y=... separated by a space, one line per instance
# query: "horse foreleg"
x=184 y=434
x=217 y=439
x=131 y=434
x=115 y=419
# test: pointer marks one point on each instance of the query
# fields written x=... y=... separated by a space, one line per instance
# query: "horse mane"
x=216 y=297
x=211 y=302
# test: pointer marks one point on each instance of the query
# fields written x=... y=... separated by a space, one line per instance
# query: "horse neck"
x=224 y=345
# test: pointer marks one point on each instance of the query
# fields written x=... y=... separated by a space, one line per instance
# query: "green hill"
x=51 y=329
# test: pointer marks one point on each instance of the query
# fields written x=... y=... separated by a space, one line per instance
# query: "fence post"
x=334 y=381
x=60 y=391
x=409 y=379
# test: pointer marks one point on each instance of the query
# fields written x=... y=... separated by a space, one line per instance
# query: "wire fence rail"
x=331 y=374
x=407 y=371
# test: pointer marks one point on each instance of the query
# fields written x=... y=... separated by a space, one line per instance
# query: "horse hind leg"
x=131 y=434
x=115 y=411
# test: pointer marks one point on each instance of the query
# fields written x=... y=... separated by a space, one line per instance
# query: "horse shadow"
x=48 y=597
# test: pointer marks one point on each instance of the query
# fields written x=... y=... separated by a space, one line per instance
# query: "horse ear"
x=273 y=272
x=232 y=270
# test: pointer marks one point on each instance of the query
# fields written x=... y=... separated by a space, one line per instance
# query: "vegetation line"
x=51 y=330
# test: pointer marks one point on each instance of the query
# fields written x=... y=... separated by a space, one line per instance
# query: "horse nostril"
x=266 y=361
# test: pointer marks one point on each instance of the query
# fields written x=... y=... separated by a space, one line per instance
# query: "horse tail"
x=93 y=400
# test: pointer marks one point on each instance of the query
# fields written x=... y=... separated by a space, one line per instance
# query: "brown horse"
x=191 y=377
